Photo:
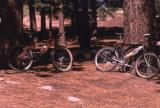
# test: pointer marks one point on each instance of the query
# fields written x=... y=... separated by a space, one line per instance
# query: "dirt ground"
x=83 y=87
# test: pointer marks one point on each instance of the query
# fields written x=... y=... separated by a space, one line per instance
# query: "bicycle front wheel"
x=105 y=59
x=20 y=58
x=62 y=58
x=147 y=65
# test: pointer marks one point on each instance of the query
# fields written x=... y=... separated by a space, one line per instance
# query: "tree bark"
x=19 y=15
x=50 y=23
x=138 y=19
x=11 y=26
x=32 y=16
x=61 y=26
x=73 y=17
x=93 y=19
x=82 y=23
x=12 y=22
x=43 y=21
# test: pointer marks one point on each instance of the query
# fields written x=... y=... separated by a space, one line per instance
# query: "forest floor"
x=82 y=87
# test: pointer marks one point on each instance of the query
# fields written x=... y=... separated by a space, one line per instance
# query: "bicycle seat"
x=146 y=35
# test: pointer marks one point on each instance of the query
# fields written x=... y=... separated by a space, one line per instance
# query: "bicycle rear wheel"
x=20 y=58
x=105 y=59
x=62 y=58
x=147 y=65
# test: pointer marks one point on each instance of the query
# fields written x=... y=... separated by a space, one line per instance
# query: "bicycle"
x=22 y=57
x=109 y=57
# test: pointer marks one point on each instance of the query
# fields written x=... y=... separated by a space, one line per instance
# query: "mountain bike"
x=109 y=57
x=22 y=58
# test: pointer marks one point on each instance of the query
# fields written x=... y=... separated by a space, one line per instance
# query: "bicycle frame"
x=123 y=57
x=134 y=52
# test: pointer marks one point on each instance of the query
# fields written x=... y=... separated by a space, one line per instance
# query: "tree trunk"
x=11 y=25
x=93 y=19
x=73 y=17
x=50 y=23
x=43 y=21
x=32 y=16
x=138 y=19
x=61 y=26
x=19 y=15
x=12 y=22
x=82 y=23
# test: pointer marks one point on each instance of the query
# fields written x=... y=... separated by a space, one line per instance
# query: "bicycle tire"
x=150 y=70
x=62 y=58
x=18 y=63
x=103 y=56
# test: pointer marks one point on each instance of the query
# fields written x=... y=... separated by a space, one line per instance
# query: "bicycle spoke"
x=62 y=59
x=146 y=60
x=20 y=59
x=148 y=72
x=149 y=58
x=153 y=68
x=104 y=59
x=103 y=54
x=147 y=66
